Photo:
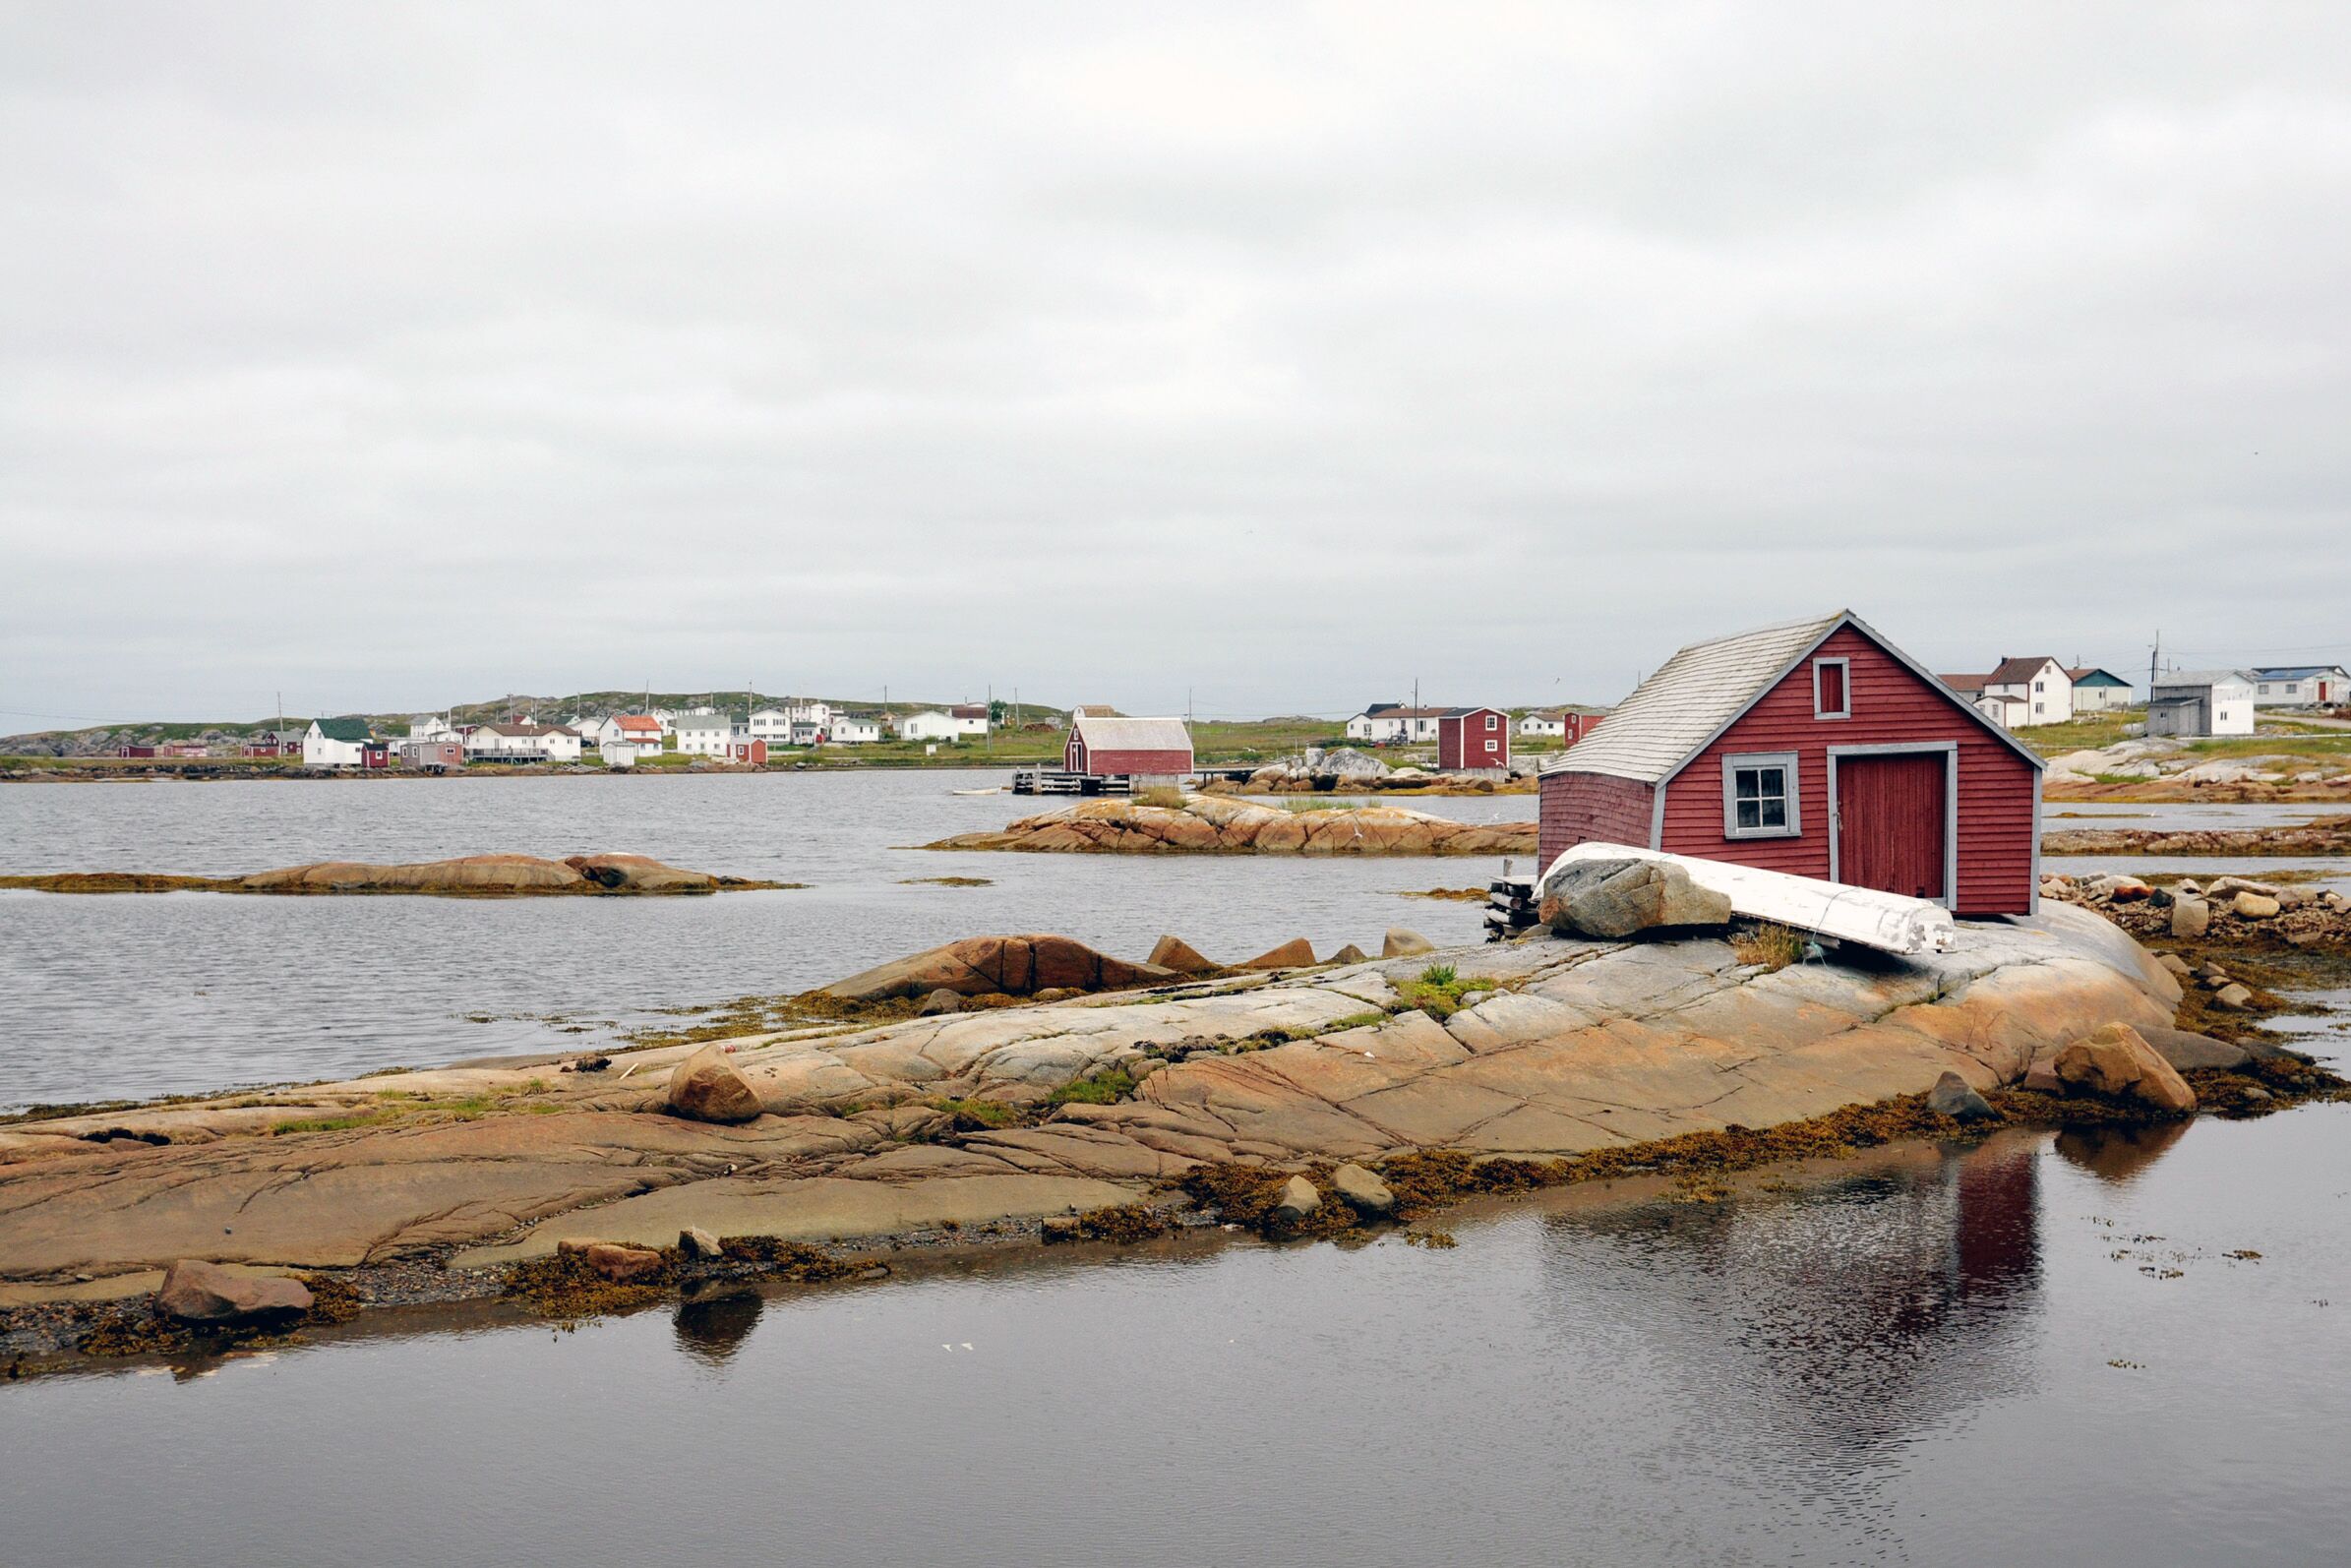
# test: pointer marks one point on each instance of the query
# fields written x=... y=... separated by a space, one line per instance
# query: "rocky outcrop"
x=1617 y=898
x=2325 y=835
x=1207 y=824
x=1574 y=1045
x=473 y=875
x=1011 y=966
x=1295 y=953
x=706 y=1087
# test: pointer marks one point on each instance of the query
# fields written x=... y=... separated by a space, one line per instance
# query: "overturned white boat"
x=1892 y=922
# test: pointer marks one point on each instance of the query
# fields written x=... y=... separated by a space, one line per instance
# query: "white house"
x=807 y=731
x=2044 y=687
x=970 y=719
x=855 y=729
x=432 y=727
x=1393 y=721
x=640 y=730
x=772 y=725
x=2196 y=702
x=1552 y=724
x=334 y=743
x=525 y=742
x=932 y=724
x=2000 y=708
x=2308 y=686
x=705 y=734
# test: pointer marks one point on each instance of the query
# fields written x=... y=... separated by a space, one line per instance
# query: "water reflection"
x=1843 y=1321
x=2118 y=1154
x=710 y=1328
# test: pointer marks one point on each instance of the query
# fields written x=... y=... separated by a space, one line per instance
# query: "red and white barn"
x=1816 y=748
x=1473 y=738
x=1129 y=749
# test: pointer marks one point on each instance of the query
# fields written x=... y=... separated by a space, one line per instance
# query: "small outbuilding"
x=1139 y=750
x=2200 y=703
x=2098 y=690
x=1817 y=748
x=1473 y=739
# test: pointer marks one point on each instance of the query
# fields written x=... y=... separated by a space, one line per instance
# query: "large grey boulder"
x=1345 y=762
x=1299 y=1200
x=1403 y=943
x=1950 y=1097
x=2190 y=916
x=197 y=1291
x=1615 y=898
x=1363 y=1190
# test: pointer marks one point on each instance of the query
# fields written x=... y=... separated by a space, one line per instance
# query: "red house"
x=1131 y=749
x=1473 y=738
x=753 y=752
x=1817 y=748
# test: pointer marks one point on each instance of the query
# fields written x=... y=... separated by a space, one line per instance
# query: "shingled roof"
x=1134 y=735
x=1696 y=694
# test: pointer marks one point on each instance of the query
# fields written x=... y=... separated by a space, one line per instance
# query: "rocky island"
x=1057 y=1093
x=473 y=875
x=1211 y=824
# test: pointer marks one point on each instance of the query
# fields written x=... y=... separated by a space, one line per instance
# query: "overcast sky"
x=400 y=355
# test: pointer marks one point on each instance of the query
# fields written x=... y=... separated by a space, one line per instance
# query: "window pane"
x=1749 y=814
x=1775 y=812
x=1746 y=784
x=1775 y=780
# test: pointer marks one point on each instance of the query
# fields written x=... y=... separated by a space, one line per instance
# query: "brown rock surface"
x=197 y=1291
x=706 y=1087
x=641 y=873
x=1403 y=943
x=2117 y=1062
x=1295 y=953
x=1177 y=956
x=1016 y=966
x=1211 y=824
x=474 y=873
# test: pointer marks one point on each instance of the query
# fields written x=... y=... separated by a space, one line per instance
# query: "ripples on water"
x=1907 y=1363
x=131 y=995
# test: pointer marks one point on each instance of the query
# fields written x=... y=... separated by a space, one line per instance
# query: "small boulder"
x=1614 y=899
x=622 y=1265
x=1950 y=1097
x=2041 y=1078
x=1299 y=1200
x=2117 y=1062
x=1295 y=953
x=939 y=1001
x=696 y=1243
x=1403 y=943
x=1351 y=954
x=2190 y=916
x=2185 y=1050
x=1173 y=952
x=2177 y=965
x=706 y=1087
x=2256 y=906
x=197 y=1291
x=1362 y=1189
x=2234 y=996
x=1057 y=1228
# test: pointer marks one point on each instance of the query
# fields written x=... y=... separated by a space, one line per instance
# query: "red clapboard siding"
x=1889 y=704
x=1108 y=764
x=1462 y=740
x=1590 y=808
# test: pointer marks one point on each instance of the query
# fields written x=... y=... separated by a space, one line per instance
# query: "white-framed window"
x=1493 y=721
x=1759 y=796
x=2040 y=686
x=2264 y=688
x=1832 y=689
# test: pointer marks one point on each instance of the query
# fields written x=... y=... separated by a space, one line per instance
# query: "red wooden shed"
x=1817 y=748
x=1468 y=738
x=1110 y=748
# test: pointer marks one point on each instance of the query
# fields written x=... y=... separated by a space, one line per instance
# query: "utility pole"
x=2155 y=656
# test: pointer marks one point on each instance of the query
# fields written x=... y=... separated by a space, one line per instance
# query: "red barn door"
x=1892 y=827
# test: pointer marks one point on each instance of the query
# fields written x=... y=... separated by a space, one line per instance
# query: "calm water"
x=1908 y=1362
x=128 y=995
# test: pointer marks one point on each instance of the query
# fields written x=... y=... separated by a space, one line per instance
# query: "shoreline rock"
x=1207 y=824
x=468 y=877
x=1573 y=1049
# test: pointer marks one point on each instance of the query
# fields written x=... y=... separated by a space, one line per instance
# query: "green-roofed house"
x=2098 y=690
x=342 y=742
